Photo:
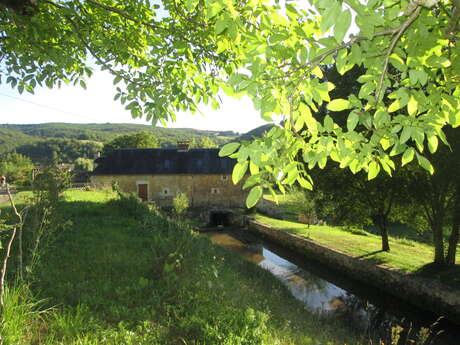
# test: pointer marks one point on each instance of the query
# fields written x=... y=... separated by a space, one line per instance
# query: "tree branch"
x=124 y=14
x=395 y=40
x=8 y=247
x=452 y=28
x=354 y=39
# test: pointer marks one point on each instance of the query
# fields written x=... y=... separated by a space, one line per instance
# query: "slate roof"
x=164 y=161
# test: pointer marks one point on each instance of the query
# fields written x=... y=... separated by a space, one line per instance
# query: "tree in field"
x=439 y=197
x=351 y=199
x=139 y=140
x=16 y=167
x=169 y=56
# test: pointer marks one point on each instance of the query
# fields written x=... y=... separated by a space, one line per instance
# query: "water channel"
x=367 y=310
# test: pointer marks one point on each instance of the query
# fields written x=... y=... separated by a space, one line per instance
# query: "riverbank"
x=125 y=274
x=422 y=292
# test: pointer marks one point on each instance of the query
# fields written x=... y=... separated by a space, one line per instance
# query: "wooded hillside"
x=66 y=142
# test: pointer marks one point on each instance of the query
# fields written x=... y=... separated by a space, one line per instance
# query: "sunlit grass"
x=405 y=255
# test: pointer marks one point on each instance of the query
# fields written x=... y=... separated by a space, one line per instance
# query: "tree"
x=351 y=199
x=439 y=196
x=16 y=167
x=139 y=140
x=168 y=56
x=84 y=164
x=203 y=142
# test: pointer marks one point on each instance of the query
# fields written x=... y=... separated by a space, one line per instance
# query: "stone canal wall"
x=424 y=293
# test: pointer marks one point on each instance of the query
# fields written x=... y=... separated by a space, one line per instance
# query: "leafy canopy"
x=172 y=55
x=139 y=140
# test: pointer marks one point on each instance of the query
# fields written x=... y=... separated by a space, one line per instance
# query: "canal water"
x=367 y=311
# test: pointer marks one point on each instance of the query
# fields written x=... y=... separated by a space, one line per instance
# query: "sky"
x=72 y=104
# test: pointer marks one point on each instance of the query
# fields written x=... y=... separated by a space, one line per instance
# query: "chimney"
x=183 y=146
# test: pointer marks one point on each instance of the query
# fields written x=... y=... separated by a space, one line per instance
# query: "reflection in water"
x=324 y=297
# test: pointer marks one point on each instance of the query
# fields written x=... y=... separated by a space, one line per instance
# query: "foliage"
x=166 y=58
x=437 y=197
x=57 y=150
x=84 y=164
x=203 y=143
x=16 y=167
x=180 y=204
x=50 y=183
x=139 y=140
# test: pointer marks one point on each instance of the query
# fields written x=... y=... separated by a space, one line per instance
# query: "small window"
x=165 y=191
x=215 y=191
x=224 y=178
x=167 y=164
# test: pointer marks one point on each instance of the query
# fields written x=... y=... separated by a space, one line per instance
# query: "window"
x=165 y=191
x=215 y=191
x=224 y=178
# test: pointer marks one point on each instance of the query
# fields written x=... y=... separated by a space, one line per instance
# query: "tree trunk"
x=453 y=238
x=438 y=242
x=384 y=233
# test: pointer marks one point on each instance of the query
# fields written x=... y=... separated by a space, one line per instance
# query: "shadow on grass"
x=449 y=275
x=370 y=254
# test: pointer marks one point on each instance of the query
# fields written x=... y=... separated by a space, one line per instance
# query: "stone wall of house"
x=424 y=293
x=202 y=190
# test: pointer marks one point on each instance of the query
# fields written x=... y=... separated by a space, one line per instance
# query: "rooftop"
x=164 y=162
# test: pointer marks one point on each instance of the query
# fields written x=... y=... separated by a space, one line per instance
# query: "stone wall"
x=202 y=190
x=424 y=293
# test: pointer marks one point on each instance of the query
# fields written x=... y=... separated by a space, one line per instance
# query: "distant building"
x=2 y=181
x=158 y=175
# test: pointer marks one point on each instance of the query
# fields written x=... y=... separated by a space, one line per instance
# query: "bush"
x=180 y=204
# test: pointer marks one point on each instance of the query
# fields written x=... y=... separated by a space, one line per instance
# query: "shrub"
x=180 y=204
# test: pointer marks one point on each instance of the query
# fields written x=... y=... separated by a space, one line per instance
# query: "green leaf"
x=254 y=196
x=221 y=25
x=412 y=106
x=228 y=149
x=425 y=163
x=373 y=170
x=253 y=168
x=405 y=134
x=338 y=104
x=408 y=156
x=398 y=62
x=330 y=16
x=342 y=25
x=116 y=80
x=328 y=124
x=432 y=143
x=352 y=121
x=396 y=105
x=304 y=183
x=238 y=171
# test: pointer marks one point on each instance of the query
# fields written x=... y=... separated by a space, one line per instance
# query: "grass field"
x=123 y=274
x=406 y=255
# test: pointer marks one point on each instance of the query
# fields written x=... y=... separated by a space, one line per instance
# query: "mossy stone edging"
x=421 y=292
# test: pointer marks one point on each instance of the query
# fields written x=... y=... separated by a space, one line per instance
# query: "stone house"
x=158 y=175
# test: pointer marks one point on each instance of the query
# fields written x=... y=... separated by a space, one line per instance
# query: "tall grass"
x=125 y=274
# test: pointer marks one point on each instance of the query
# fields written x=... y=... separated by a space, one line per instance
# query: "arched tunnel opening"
x=220 y=218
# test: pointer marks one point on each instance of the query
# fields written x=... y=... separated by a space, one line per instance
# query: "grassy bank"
x=123 y=274
x=406 y=255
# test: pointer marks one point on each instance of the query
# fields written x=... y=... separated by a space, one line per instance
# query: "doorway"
x=143 y=191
